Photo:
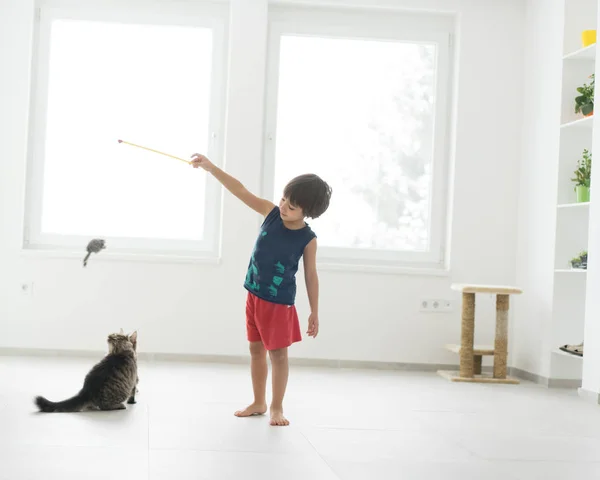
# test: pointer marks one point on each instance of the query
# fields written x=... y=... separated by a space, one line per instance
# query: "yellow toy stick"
x=156 y=151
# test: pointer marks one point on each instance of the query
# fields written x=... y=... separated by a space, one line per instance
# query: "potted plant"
x=584 y=102
x=583 y=176
x=580 y=262
x=583 y=258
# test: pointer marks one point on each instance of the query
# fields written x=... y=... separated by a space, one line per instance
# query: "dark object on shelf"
x=573 y=349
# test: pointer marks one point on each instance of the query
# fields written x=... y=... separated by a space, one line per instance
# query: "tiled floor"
x=346 y=425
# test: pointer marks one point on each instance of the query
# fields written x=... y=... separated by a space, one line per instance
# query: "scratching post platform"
x=470 y=355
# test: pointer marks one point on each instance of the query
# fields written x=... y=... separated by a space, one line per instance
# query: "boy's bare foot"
x=277 y=418
x=250 y=410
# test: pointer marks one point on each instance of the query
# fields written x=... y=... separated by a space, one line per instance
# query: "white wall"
x=538 y=191
x=198 y=308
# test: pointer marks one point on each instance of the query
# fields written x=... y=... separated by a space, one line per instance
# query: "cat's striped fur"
x=109 y=384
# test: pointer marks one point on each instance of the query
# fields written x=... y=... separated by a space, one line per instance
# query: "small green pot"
x=583 y=194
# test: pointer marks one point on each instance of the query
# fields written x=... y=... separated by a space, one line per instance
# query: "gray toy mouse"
x=95 y=246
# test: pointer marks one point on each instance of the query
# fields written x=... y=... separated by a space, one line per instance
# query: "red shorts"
x=273 y=324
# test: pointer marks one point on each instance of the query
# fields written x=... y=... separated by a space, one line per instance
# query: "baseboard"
x=588 y=395
x=235 y=359
x=571 y=383
x=43 y=352
x=545 y=381
x=143 y=356
x=530 y=377
x=194 y=358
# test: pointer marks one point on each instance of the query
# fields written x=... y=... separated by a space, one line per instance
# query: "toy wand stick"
x=156 y=151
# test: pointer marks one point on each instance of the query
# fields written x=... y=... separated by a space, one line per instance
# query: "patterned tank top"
x=274 y=262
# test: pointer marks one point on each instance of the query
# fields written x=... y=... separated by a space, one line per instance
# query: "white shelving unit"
x=567 y=355
x=587 y=53
x=585 y=122
x=574 y=205
x=572 y=219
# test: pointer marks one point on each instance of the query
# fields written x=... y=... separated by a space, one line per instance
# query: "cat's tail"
x=86 y=259
x=73 y=404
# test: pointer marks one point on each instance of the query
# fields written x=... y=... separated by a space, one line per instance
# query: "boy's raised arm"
x=232 y=184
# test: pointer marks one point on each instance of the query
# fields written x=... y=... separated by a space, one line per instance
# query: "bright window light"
x=147 y=84
x=361 y=114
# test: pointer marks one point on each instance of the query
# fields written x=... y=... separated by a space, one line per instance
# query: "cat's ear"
x=133 y=337
x=121 y=332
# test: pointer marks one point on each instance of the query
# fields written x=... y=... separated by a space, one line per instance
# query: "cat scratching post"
x=470 y=355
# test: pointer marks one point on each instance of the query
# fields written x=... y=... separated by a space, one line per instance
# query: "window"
x=153 y=80
x=362 y=101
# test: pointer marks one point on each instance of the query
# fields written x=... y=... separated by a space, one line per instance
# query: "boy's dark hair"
x=310 y=193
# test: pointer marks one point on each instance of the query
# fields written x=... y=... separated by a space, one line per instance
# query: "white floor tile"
x=532 y=448
x=528 y=470
x=373 y=445
x=194 y=465
x=345 y=424
x=89 y=429
x=72 y=463
x=214 y=427
x=395 y=470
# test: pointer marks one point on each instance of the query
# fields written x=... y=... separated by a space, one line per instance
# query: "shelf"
x=565 y=354
x=574 y=205
x=587 y=53
x=477 y=349
x=585 y=122
x=578 y=271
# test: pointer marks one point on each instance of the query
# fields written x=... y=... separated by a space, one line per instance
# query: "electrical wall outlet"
x=27 y=289
x=436 y=305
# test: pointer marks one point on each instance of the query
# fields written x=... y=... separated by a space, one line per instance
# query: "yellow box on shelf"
x=588 y=37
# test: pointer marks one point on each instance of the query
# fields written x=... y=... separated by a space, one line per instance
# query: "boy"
x=271 y=319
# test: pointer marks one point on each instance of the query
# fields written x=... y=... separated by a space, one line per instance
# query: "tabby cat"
x=108 y=384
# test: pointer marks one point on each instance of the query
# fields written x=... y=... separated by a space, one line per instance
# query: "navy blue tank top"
x=274 y=262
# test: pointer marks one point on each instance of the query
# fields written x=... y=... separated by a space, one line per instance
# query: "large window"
x=362 y=101
x=150 y=79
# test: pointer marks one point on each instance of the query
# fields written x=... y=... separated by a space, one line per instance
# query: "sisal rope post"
x=467 y=336
x=501 y=339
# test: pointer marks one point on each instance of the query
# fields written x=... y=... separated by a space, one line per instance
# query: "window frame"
x=214 y=17
x=372 y=25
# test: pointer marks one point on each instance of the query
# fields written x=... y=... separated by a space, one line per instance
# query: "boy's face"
x=289 y=212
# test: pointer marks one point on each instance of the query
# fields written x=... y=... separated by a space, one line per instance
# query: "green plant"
x=584 y=103
x=580 y=261
x=583 y=173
